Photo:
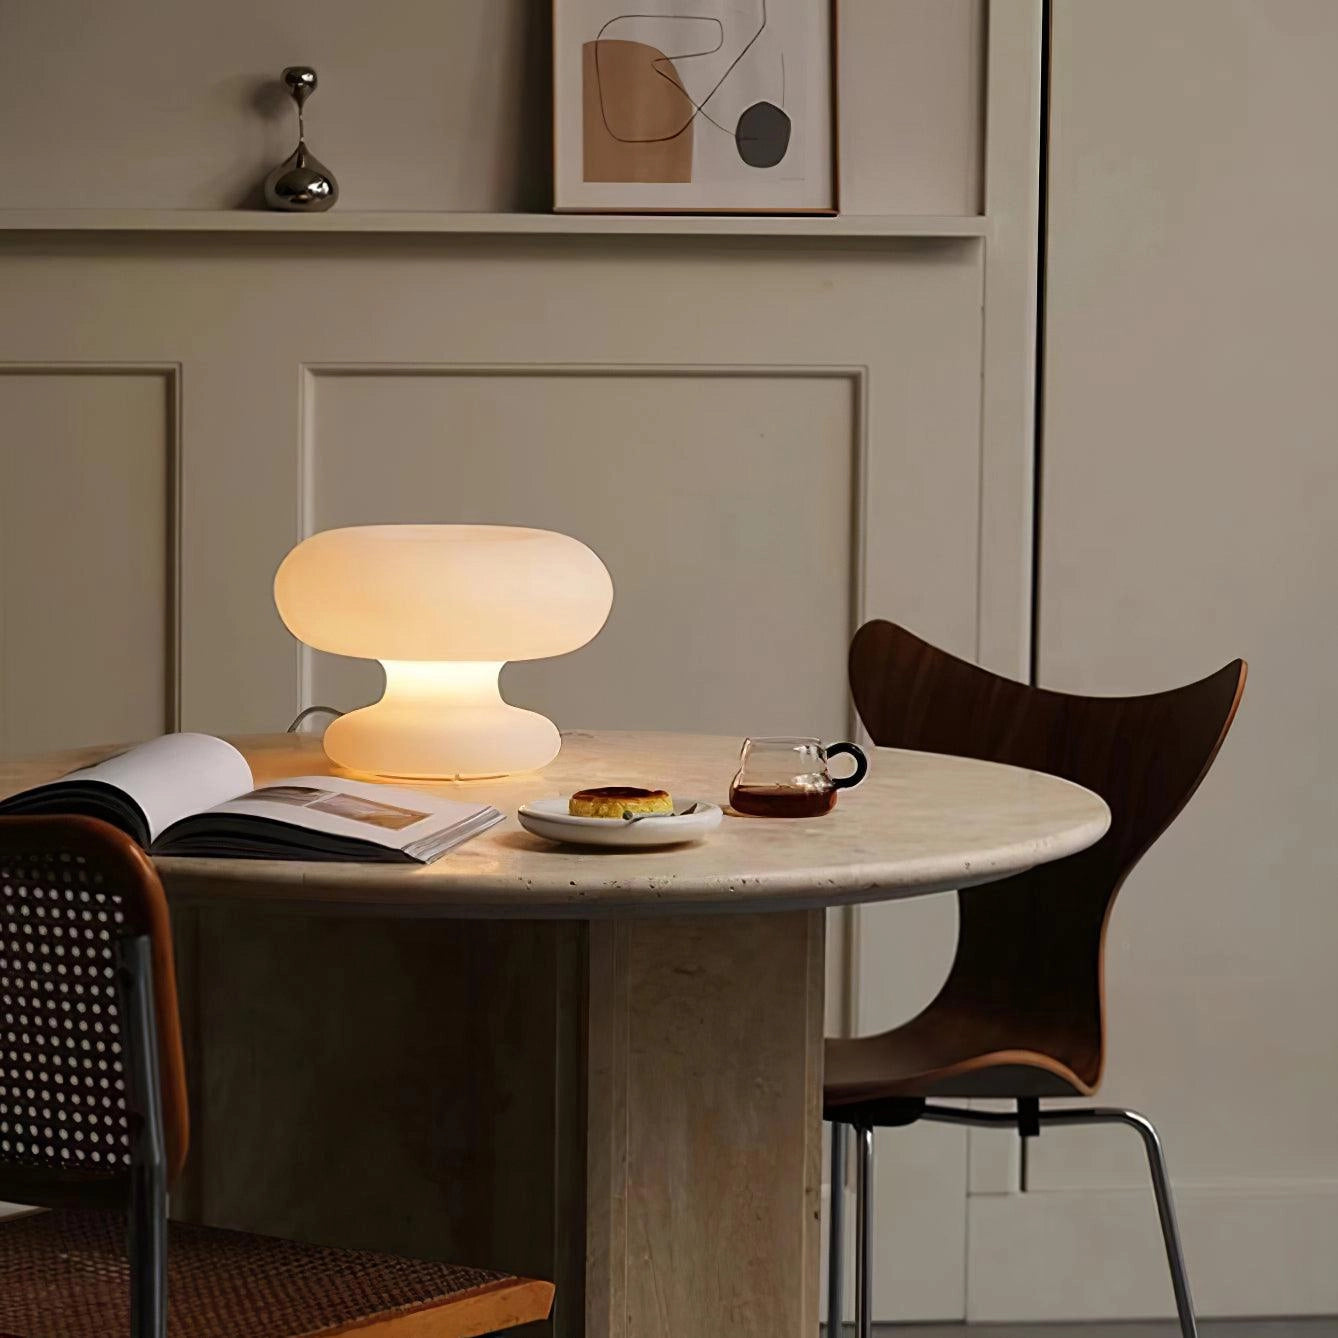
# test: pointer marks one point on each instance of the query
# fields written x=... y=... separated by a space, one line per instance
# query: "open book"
x=193 y=794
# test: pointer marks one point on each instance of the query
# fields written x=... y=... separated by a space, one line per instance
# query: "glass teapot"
x=790 y=778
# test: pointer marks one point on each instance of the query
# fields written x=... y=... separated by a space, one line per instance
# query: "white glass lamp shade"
x=443 y=607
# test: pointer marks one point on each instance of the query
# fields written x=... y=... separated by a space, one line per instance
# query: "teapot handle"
x=861 y=764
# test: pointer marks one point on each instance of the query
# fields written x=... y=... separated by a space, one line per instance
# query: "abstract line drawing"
x=697 y=93
x=663 y=66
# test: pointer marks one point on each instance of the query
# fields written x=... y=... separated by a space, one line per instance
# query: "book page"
x=173 y=776
x=385 y=815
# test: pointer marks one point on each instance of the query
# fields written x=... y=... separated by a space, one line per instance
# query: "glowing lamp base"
x=441 y=720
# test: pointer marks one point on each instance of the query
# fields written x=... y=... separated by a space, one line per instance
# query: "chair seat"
x=942 y=1053
x=64 y=1274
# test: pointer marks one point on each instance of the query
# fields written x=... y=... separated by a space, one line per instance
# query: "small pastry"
x=612 y=801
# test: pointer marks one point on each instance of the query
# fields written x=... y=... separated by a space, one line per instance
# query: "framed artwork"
x=694 y=106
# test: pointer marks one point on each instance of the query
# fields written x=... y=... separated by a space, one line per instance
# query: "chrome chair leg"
x=1161 y=1180
x=864 y=1234
x=1161 y=1188
x=836 y=1232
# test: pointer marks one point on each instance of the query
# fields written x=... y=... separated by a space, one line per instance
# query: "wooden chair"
x=1021 y=1013
x=93 y=1128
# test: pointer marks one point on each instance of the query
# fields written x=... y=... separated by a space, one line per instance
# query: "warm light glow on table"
x=443 y=607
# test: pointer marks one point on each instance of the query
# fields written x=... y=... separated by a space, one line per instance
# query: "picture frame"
x=695 y=107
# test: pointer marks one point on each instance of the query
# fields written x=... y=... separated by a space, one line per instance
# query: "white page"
x=388 y=815
x=173 y=776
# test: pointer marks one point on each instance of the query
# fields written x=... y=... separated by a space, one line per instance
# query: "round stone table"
x=602 y=1068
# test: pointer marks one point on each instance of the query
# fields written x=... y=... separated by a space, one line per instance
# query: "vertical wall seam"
x=1038 y=411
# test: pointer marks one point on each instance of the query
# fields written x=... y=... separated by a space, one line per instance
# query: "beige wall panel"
x=909 y=314
x=1190 y=511
x=423 y=104
x=86 y=562
x=733 y=591
x=912 y=106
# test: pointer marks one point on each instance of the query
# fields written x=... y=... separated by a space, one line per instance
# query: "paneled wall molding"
x=1013 y=81
x=855 y=377
x=16 y=434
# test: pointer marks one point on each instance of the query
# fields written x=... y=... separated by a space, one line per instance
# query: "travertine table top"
x=920 y=823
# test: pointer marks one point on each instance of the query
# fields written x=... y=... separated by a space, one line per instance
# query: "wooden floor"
x=1242 y=1328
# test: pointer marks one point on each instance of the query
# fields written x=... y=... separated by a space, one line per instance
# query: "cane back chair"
x=93 y=1128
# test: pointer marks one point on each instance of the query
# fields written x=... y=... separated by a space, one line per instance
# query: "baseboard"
x=904 y=1291
x=1254 y=1249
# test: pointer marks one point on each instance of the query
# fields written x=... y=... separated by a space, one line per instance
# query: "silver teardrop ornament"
x=301 y=183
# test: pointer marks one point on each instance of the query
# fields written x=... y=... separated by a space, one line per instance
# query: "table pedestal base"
x=628 y=1107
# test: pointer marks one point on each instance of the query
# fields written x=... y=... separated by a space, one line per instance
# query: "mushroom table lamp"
x=443 y=607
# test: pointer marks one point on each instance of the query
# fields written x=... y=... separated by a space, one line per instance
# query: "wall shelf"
x=849 y=226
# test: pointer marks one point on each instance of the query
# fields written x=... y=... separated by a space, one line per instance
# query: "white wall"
x=1190 y=515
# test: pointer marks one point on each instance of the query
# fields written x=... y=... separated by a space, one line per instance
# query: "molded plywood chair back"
x=1028 y=967
x=1020 y=1015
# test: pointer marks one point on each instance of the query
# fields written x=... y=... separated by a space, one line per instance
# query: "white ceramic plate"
x=549 y=818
